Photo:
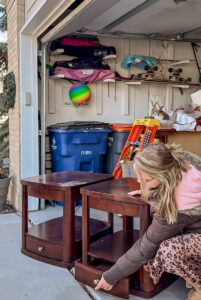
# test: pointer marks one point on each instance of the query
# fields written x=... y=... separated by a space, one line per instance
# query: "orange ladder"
x=142 y=133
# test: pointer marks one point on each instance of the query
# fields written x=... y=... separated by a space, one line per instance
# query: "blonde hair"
x=165 y=163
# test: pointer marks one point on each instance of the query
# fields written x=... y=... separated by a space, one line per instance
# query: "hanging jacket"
x=83 y=63
x=84 y=75
x=83 y=51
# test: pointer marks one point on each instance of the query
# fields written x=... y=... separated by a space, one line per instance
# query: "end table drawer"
x=43 y=248
x=90 y=275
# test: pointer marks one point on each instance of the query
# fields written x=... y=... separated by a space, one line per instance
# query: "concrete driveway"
x=23 y=278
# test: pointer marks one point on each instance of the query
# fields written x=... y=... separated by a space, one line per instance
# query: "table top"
x=115 y=189
x=166 y=132
x=65 y=179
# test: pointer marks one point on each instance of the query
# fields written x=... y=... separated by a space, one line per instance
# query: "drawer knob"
x=40 y=249
x=96 y=281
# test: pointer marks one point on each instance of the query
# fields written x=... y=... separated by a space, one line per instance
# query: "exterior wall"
x=30 y=7
x=15 y=12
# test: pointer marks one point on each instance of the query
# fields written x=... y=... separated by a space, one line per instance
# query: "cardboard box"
x=189 y=140
x=128 y=168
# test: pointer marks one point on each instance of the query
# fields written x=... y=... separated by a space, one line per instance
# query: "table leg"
x=24 y=215
x=85 y=229
x=110 y=220
x=127 y=223
x=68 y=226
x=146 y=283
x=145 y=218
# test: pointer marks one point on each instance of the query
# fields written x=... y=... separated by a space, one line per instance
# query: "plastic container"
x=78 y=149
x=116 y=141
x=79 y=125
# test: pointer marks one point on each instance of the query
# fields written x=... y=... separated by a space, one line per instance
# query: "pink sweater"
x=188 y=192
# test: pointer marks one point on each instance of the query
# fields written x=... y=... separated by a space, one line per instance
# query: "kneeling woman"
x=171 y=184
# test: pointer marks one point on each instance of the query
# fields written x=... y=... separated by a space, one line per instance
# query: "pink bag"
x=84 y=75
x=78 y=42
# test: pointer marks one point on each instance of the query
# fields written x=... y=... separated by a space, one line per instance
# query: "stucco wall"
x=15 y=12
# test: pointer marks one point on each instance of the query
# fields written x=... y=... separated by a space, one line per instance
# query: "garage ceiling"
x=153 y=19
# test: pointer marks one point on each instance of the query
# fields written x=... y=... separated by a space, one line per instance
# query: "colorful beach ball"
x=79 y=94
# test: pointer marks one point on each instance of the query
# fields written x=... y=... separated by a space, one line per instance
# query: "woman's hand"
x=137 y=192
x=103 y=285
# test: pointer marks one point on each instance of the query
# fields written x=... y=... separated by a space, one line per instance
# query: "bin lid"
x=79 y=125
x=121 y=126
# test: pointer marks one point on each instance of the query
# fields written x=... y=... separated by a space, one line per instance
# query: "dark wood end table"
x=58 y=241
x=112 y=196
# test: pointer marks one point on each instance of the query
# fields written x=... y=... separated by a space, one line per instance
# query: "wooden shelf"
x=173 y=84
x=111 y=247
x=181 y=62
x=51 y=230
x=108 y=80
x=58 y=76
x=61 y=76
x=111 y=56
x=139 y=82
x=57 y=52
x=133 y=82
x=183 y=86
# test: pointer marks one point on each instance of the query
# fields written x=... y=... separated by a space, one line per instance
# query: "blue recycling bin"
x=78 y=149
